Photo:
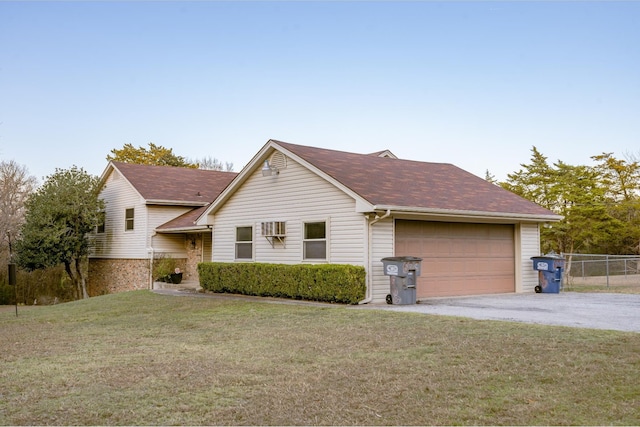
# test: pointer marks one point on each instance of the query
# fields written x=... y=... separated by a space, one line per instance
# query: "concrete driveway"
x=581 y=310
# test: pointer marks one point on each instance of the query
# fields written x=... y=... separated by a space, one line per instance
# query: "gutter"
x=464 y=214
x=369 y=296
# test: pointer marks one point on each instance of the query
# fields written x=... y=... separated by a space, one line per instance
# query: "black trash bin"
x=403 y=272
x=550 y=269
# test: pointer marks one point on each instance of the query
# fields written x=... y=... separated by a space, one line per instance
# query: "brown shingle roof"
x=184 y=222
x=174 y=184
x=391 y=182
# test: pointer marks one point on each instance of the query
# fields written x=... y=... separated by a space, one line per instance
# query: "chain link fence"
x=591 y=270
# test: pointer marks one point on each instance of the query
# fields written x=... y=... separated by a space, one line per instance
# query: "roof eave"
x=175 y=203
x=479 y=215
x=181 y=230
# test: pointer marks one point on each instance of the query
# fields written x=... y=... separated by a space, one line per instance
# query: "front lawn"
x=141 y=358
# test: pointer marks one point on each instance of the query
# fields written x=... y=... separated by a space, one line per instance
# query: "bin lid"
x=551 y=255
x=402 y=259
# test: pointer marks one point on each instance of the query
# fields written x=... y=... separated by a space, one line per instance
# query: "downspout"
x=150 y=250
x=369 y=295
x=151 y=258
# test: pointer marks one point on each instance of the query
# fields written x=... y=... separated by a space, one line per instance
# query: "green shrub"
x=339 y=283
x=45 y=286
x=163 y=266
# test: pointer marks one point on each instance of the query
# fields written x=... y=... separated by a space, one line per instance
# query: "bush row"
x=37 y=287
x=339 y=283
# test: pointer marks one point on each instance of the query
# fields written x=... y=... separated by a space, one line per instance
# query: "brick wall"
x=108 y=276
x=194 y=256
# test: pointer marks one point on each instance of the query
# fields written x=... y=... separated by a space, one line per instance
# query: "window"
x=244 y=242
x=315 y=240
x=101 y=220
x=128 y=219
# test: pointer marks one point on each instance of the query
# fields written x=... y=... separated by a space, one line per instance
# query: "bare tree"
x=15 y=187
x=213 y=164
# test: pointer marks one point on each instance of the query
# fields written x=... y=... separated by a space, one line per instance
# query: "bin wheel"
x=389 y=299
x=538 y=289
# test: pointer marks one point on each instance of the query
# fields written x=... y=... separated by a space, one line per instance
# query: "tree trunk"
x=82 y=283
x=77 y=279
x=67 y=268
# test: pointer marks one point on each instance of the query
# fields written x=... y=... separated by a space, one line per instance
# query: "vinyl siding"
x=115 y=242
x=295 y=196
x=206 y=247
x=167 y=244
x=529 y=237
x=382 y=246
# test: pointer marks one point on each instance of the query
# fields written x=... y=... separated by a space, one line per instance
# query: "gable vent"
x=278 y=160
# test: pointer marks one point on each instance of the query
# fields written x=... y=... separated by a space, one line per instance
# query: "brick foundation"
x=108 y=276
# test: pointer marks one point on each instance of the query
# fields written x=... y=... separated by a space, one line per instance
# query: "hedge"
x=339 y=283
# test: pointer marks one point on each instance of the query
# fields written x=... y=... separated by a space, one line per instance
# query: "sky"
x=476 y=84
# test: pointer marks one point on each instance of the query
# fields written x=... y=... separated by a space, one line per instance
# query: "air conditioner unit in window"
x=273 y=228
x=274 y=231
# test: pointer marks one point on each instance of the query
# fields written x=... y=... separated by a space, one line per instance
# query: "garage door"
x=459 y=259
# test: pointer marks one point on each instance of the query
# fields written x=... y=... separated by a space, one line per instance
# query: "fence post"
x=607 y=258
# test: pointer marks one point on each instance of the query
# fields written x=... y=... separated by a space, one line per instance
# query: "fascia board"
x=178 y=230
x=462 y=214
x=114 y=169
x=174 y=203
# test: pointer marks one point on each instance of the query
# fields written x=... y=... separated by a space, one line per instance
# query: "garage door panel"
x=459 y=259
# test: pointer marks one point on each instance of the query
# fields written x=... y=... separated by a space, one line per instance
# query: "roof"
x=175 y=185
x=395 y=183
x=184 y=223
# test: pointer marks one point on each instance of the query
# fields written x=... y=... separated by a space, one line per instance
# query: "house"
x=149 y=215
x=297 y=204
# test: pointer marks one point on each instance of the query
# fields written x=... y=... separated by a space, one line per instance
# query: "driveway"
x=581 y=310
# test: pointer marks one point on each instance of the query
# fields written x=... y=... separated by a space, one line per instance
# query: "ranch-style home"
x=296 y=204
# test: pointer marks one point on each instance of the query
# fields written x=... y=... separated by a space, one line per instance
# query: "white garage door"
x=458 y=258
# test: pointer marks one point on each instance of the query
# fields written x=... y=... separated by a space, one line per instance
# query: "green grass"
x=141 y=358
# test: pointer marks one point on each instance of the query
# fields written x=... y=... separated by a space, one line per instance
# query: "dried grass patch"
x=139 y=358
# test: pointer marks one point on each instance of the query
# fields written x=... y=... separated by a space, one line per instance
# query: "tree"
x=155 y=155
x=535 y=181
x=59 y=216
x=622 y=180
x=488 y=176
x=15 y=187
x=587 y=226
x=213 y=164
x=598 y=204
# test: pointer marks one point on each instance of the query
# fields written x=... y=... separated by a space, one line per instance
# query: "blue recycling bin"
x=550 y=269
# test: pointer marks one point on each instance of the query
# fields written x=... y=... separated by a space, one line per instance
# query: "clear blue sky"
x=476 y=84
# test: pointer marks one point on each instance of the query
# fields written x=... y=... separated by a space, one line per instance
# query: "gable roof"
x=168 y=185
x=397 y=184
x=401 y=186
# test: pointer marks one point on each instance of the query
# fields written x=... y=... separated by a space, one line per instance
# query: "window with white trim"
x=102 y=218
x=244 y=243
x=128 y=219
x=315 y=241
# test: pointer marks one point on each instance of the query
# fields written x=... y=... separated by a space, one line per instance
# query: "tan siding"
x=115 y=242
x=206 y=247
x=168 y=244
x=381 y=247
x=529 y=246
x=296 y=196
